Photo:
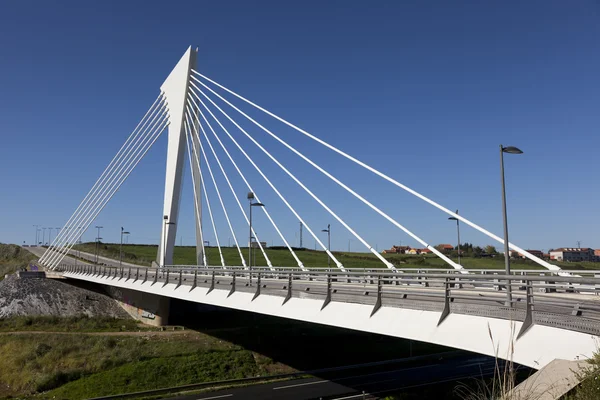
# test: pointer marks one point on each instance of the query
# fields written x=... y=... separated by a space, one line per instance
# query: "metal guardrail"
x=539 y=297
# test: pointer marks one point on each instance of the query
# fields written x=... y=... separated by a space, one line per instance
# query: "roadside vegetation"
x=77 y=365
x=13 y=257
x=72 y=362
x=471 y=257
x=83 y=323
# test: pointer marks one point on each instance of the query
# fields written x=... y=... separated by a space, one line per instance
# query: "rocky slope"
x=51 y=297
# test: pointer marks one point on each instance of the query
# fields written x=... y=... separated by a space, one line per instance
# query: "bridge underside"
x=468 y=331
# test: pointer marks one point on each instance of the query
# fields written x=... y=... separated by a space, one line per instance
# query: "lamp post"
x=252 y=204
x=164 y=247
x=36 y=235
x=457 y=233
x=43 y=236
x=98 y=242
x=328 y=230
x=509 y=150
x=121 y=246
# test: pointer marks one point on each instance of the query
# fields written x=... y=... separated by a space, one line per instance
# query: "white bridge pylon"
x=194 y=112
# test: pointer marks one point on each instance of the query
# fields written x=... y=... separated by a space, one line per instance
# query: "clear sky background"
x=424 y=91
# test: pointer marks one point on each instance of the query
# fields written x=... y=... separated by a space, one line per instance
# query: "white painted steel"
x=269 y=264
x=197 y=193
x=200 y=251
x=196 y=134
x=175 y=89
x=110 y=195
x=335 y=260
x=493 y=337
x=108 y=179
x=387 y=178
x=302 y=185
x=344 y=186
x=210 y=213
x=114 y=181
x=63 y=232
x=108 y=184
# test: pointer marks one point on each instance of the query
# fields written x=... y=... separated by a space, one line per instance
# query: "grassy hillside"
x=13 y=257
x=186 y=255
x=223 y=345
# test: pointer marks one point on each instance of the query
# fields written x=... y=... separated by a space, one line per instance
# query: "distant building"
x=572 y=254
x=425 y=251
x=445 y=248
x=537 y=253
x=397 y=250
x=413 y=251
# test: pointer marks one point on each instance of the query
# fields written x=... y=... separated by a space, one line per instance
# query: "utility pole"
x=98 y=242
x=579 y=244
x=36 y=235
x=301 y=234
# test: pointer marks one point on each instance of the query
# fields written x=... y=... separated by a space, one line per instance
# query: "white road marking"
x=299 y=384
x=216 y=397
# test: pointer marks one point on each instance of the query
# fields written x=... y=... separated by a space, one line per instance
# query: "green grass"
x=162 y=372
x=13 y=257
x=186 y=255
x=84 y=366
x=70 y=324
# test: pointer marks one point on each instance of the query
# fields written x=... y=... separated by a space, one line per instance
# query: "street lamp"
x=43 y=236
x=165 y=219
x=328 y=230
x=98 y=242
x=509 y=150
x=457 y=233
x=121 y=246
x=36 y=235
x=252 y=204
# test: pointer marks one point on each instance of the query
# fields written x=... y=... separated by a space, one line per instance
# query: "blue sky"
x=423 y=91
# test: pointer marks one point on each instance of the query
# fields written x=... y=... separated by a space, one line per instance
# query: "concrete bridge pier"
x=148 y=308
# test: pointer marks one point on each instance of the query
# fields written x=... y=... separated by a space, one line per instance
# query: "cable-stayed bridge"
x=453 y=307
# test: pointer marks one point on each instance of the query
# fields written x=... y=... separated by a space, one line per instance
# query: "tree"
x=477 y=251
x=490 y=249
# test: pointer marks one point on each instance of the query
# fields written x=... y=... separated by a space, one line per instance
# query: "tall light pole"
x=49 y=235
x=328 y=230
x=300 y=234
x=36 y=235
x=457 y=233
x=509 y=150
x=349 y=240
x=252 y=204
x=164 y=245
x=98 y=242
x=121 y=246
x=43 y=236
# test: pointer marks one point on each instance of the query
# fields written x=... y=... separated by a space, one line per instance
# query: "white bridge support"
x=175 y=89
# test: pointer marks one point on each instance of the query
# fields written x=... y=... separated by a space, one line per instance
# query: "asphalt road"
x=351 y=386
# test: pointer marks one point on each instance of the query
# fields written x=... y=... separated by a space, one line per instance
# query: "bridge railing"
x=546 y=298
